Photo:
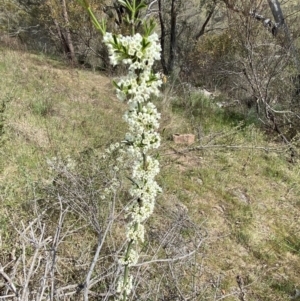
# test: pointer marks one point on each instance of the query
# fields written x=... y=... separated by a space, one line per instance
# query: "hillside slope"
x=233 y=190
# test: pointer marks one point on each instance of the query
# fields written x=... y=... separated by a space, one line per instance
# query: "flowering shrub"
x=139 y=53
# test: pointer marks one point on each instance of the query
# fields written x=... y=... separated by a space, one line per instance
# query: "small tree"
x=182 y=23
x=264 y=66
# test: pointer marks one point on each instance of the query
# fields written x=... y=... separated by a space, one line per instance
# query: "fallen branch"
x=264 y=148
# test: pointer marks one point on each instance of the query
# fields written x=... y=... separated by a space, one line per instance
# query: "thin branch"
x=7 y=296
x=176 y=282
x=202 y=30
x=55 y=244
x=101 y=240
x=170 y=259
x=264 y=148
x=91 y=269
x=9 y=282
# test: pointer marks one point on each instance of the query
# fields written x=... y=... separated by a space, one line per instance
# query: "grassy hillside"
x=231 y=199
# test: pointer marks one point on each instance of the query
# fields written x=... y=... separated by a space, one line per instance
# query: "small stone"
x=295 y=295
x=184 y=138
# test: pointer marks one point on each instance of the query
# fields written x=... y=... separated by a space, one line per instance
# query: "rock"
x=184 y=138
x=295 y=295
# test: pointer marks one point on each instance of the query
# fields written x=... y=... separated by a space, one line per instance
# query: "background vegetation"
x=226 y=226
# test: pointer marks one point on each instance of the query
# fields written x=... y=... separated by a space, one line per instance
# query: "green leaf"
x=127 y=19
x=116 y=85
x=149 y=28
x=145 y=44
x=141 y=6
x=126 y=4
x=115 y=40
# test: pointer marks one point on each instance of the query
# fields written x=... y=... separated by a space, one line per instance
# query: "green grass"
x=237 y=185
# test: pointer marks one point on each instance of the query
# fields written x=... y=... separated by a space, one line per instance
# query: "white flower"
x=135 y=232
x=143 y=173
x=108 y=37
x=131 y=258
x=127 y=287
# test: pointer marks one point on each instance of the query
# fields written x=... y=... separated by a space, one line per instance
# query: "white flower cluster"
x=145 y=189
x=143 y=172
x=147 y=194
x=130 y=259
x=127 y=287
x=135 y=232
x=145 y=118
x=59 y=164
x=139 y=53
x=138 y=88
x=143 y=123
x=136 y=51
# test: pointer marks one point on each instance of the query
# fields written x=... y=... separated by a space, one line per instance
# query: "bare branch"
x=101 y=240
x=9 y=282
